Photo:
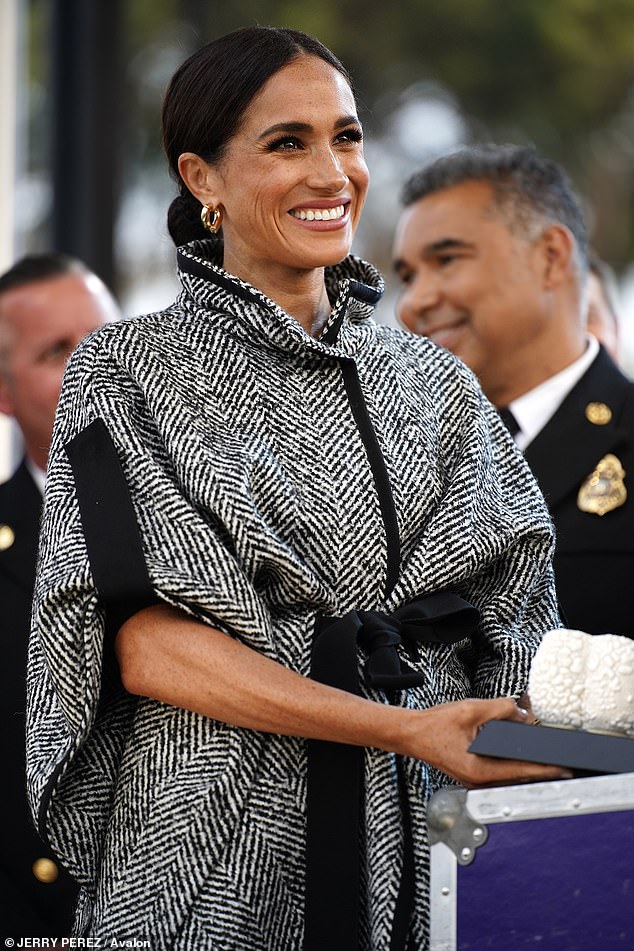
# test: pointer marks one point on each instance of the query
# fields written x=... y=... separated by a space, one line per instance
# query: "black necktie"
x=509 y=420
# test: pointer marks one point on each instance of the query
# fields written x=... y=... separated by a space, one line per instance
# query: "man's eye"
x=56 y=351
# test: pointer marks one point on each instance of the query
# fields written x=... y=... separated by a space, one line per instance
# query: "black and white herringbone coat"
x=275 y=479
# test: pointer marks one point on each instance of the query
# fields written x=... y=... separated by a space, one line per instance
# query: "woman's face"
x=293 y=179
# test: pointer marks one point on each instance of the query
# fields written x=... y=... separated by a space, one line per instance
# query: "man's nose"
x=419 y=296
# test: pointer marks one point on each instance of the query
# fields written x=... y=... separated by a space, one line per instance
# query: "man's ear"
x=557 y=246
x=202 y=179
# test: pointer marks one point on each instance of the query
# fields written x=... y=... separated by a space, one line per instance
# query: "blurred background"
x=81 y=83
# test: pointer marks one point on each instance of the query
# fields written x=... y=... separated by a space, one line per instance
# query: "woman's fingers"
x=458 y=725
x=488 y=771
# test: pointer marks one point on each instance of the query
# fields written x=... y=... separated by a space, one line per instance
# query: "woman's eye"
x=286 y=144
x=350 y=135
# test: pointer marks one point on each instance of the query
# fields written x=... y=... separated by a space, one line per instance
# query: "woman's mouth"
x=319 y=214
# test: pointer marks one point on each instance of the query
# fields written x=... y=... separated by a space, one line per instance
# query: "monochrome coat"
x=271 y=481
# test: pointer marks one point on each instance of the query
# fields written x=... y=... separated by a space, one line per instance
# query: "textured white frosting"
x=584 y=681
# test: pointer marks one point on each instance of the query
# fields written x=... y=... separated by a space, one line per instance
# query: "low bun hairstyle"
x=207 y=97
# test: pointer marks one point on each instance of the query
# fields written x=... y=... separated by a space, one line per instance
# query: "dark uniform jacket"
x=29 y=907
x=584 y=462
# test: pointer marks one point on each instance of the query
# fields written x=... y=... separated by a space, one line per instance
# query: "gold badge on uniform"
x=7 y=537
x=598 y=413
x=604 y=489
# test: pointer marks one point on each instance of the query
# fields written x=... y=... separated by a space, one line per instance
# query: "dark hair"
x=528 y=188
x=39 y=267
x=206 y=99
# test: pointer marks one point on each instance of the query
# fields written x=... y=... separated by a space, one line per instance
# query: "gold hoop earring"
x=215 y=222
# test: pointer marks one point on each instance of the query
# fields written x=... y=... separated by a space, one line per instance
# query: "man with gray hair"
x=48 y=303
x=492 y=253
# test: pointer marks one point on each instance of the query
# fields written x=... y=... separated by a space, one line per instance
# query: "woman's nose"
x=326 y=171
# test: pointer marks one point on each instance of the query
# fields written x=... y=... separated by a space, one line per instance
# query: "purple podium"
x=546 y=866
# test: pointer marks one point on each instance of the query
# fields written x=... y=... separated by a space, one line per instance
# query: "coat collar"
x=568 y=448
x=354 y=287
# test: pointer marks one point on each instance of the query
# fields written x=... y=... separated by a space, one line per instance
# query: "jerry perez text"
x=76 y=943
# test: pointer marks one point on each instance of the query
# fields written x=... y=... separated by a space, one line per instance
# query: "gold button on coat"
x=7 y=537
x=598 y=413
x=45 y=870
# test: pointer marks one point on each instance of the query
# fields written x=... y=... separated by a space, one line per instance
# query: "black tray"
x=579 y=750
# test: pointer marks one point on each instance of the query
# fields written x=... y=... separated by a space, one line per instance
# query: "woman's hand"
x=444 y=734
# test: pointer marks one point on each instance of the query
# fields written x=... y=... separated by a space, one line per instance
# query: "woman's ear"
x=201 y=178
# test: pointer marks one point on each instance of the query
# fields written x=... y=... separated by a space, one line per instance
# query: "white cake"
x=584 y=681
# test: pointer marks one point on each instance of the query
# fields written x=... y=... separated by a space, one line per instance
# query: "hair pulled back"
x=207 y=97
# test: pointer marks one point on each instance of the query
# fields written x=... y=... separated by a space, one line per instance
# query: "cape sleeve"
x=510 y=542
x=114 y=537
x=490 y=539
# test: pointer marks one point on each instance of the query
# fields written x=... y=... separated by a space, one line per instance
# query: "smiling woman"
x=289 y=536
x=279 y=189
x=289 y=192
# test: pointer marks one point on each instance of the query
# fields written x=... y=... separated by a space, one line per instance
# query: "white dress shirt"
x=533 y=410
x=38 y=475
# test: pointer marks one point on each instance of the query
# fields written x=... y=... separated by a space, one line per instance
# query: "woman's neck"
x=309 y=306
x=302 y=294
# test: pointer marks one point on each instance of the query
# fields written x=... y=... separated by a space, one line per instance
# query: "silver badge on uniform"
x=604 y=489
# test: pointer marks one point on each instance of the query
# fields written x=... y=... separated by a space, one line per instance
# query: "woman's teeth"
x=318 y=214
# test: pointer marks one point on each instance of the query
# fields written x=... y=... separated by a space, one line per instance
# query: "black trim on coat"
x=335 y=805
x=359 y=409
x=195 y=267
x=335 y=798
x=111 y=532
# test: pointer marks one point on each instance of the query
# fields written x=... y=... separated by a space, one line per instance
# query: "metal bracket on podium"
x=450 y=822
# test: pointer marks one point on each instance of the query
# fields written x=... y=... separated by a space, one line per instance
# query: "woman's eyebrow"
x=306 y=126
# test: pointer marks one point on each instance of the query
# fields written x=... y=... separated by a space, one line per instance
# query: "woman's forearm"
x=178 y=660
x=165 y=655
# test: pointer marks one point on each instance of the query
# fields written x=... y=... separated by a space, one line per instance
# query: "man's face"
x=40 y=325
x=471 y=285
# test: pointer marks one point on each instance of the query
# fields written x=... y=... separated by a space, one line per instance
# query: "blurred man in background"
x=48 y=303
x=492 y=253
x=602 y=315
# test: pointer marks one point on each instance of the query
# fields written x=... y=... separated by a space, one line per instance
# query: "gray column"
x=87 y=121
